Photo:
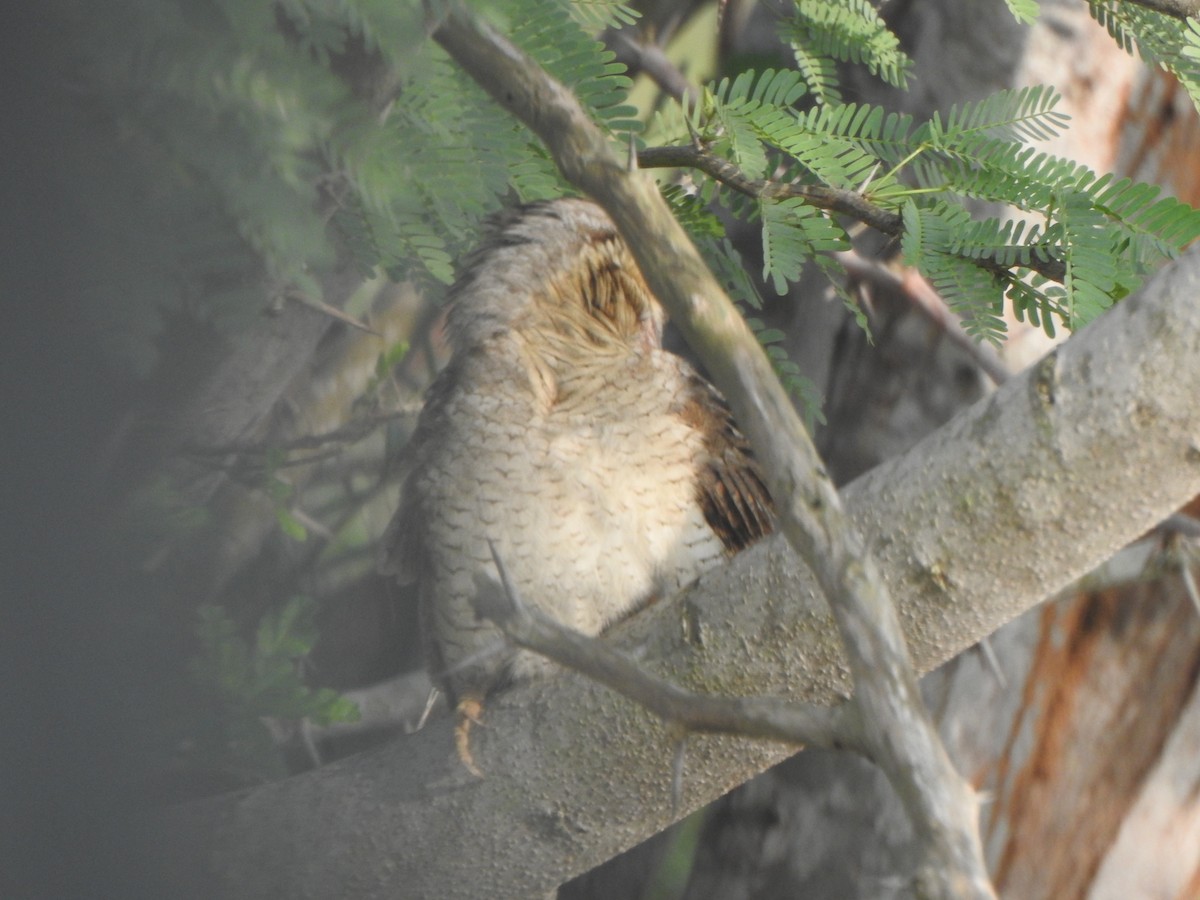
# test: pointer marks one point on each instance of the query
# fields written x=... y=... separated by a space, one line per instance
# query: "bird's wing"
x=730 y=486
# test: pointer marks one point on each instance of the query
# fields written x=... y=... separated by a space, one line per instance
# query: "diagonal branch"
x=924 y=298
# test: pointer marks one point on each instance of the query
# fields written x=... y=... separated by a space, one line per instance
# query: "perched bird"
x=604 y=469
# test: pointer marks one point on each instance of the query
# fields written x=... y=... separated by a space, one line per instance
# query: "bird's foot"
x=469 y=711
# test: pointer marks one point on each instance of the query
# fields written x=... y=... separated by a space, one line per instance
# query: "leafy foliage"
x=1024 y=11
x=282 y=119
x=594 y=15
x=802 y=389
x=792 y=233
x=847 y=31
x=976 y=151
x=368 y=144
x=1156 y=37
x=263 y=677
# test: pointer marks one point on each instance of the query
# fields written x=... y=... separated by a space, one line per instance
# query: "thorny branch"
x=836 y=200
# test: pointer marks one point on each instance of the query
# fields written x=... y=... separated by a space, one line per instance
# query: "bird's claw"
x=469 y=711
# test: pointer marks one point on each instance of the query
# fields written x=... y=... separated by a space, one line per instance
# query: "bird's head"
x=559 y=274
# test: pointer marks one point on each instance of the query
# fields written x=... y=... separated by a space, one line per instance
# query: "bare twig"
x=1189 y=582
x=333 y=312
x=993 y=662
x=837 y=200
x=1178 y=533
x=896 y=728
x=767 y=718
x=1181 y=524
x=402 y=703
x=639 y=56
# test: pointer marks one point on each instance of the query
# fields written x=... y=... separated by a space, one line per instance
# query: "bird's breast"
x=591 y=504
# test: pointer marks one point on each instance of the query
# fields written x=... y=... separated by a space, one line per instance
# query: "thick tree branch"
x=1003 y=507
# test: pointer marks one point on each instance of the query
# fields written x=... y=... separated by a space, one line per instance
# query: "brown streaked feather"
x=729 y=486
